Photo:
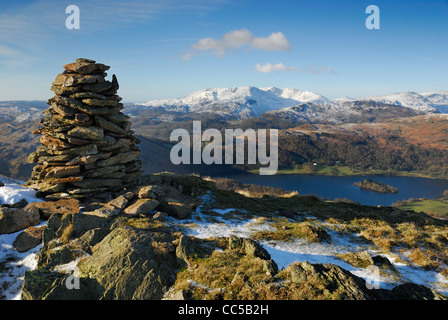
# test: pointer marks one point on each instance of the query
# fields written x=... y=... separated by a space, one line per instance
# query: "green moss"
x=357 y=259
x=288 y=231
x=39 y=282
x=143 y=223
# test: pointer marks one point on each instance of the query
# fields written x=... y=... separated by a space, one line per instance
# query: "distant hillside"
x=342 y=112
x=417 y=144
x=20 y=111
x=17 y=141
x=370 y=135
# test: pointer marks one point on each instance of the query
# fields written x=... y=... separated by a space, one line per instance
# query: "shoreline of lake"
x=342 y=171
x=341 y=187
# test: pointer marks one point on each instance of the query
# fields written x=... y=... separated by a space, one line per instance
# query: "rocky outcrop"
x=132 y=264
x=330 y=280
x=47 y=208
x=254 y=249
x=29 y=238
x=122 y=262
x=412 y=291
x=16 y=219
x=109 y=252
x=88 y=148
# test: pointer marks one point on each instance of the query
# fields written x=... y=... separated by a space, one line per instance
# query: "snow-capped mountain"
x=438 y=99
x=343 y=99
x=241 y=101
x=411 y=100
x=245 y=102
x=346 y=111
x=249 y=101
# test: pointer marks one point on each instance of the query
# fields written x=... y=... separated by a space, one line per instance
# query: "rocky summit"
x=87 y=145
x=175 y=237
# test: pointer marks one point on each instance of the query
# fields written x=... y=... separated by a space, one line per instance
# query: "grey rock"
x=16 y=219
x=127 y=266
x=87 y=133
x=120 y=159
x=141 y=206
x=28 y=239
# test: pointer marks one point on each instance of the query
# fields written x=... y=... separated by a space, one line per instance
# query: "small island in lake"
x=376 y=186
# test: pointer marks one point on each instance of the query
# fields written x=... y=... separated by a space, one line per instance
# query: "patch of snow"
x=223 y=211
x=12 y=193
x=10 y=180
x=240 y=228
x=13 y=265
x=203 y=226
x=70 y=266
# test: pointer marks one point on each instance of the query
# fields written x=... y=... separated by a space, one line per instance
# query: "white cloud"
x=236 y=39
x=275 y=42
x=217 y=47
x=280 y=67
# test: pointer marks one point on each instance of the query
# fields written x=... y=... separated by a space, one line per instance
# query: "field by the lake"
x=346 y=171
x=435 y=207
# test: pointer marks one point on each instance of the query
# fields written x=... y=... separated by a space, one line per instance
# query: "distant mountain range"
x=289 y=103
x=20 y=111
x=242 y=101
x=246 y=102
x=284 y=109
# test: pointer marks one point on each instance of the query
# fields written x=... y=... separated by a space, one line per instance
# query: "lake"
x=332 y=187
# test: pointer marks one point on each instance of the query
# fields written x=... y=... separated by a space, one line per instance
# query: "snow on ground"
x=202 y=226
x=13 y=264
x=12 y=193
x=10 y=180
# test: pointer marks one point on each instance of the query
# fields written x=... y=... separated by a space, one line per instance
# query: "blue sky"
x=169 y=48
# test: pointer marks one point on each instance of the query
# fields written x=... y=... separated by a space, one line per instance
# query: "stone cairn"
x=88 y=149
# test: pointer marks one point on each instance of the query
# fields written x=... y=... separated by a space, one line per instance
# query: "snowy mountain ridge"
x=411 y=100
x=246 y=101
x=251 y=101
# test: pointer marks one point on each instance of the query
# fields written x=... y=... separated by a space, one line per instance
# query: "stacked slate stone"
x=88 y=149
